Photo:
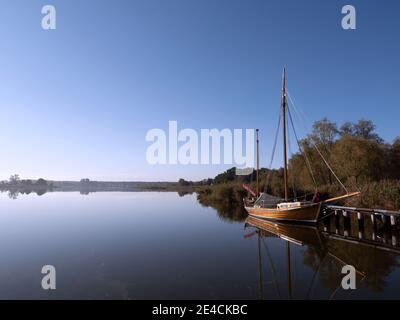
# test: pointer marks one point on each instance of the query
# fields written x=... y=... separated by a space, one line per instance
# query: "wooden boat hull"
x=310 y=213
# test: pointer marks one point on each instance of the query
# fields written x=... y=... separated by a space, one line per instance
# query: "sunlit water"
x=149 y=245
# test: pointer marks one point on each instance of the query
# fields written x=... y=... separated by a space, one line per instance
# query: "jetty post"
x=346 y=223
x=360 y=224
x=392 y=220
x=373 y=226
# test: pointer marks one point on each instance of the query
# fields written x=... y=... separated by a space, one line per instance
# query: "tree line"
x=359 y=157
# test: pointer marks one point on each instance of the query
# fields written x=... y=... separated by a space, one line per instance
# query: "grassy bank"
x=384 y=194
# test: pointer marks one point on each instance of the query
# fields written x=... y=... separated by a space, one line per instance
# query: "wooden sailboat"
x=296 y=211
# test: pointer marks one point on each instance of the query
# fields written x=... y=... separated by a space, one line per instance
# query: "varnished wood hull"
x=310 y=213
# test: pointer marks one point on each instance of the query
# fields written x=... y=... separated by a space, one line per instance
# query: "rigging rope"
x=291 y=177
x=299 y=112
x=273 y=152
x=306 y=159
x=329 y=167
x=304 y=119
x=271 y=264
x=323 y=158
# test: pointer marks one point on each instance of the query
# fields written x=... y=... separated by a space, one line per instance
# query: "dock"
x=385 y=216
x=372 y=227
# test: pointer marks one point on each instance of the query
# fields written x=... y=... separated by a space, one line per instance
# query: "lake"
x=159 y=245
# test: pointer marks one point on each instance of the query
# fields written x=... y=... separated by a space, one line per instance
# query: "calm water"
x=150 y=245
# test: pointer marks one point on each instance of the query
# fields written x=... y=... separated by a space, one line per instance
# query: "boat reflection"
x=324 y=249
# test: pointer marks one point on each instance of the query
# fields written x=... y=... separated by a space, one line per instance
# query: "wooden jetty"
x=385 y=216
x=377 y=228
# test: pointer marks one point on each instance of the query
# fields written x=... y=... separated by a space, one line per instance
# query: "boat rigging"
x=269 y=207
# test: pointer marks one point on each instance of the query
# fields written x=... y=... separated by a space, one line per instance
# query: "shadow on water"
x=324 y=250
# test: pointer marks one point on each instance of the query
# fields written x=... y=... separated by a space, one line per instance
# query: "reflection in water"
x=184 y=193
x=227 y=211
x=160 y=245
x=326 y=253
x=14 y=193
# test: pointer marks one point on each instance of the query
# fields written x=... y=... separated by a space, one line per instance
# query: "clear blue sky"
x=77 y=101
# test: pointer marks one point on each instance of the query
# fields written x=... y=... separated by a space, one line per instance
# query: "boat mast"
x=260 y=279
x=258 y=165
x=285 y=177
x=289 y=270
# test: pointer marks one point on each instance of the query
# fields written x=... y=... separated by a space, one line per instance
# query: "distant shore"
x=86 y=186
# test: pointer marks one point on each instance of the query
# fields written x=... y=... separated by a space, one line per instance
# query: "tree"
x=365 y=129
x=324 y=131
x=312 y=151
x=183 y=182
x=227 y=176
x=359 y=158
x=14 y=179
x=394 y=160
x=299 y=175
x=347 y=129
x=41 y=182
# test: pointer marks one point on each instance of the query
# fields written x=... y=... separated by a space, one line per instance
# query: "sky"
x=78 y=101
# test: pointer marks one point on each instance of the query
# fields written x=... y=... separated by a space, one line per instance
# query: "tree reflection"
x=226 y=211
x=14 y=193
x=375 y=264
x=326 y=253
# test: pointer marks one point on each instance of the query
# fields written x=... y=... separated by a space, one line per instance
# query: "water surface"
x=158 y=245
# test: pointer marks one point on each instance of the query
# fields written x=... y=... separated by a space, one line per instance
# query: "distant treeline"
x=15 y=186
x=16 y=182
x=360 y=158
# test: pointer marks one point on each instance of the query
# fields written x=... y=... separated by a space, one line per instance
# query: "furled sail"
x=266 y=200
